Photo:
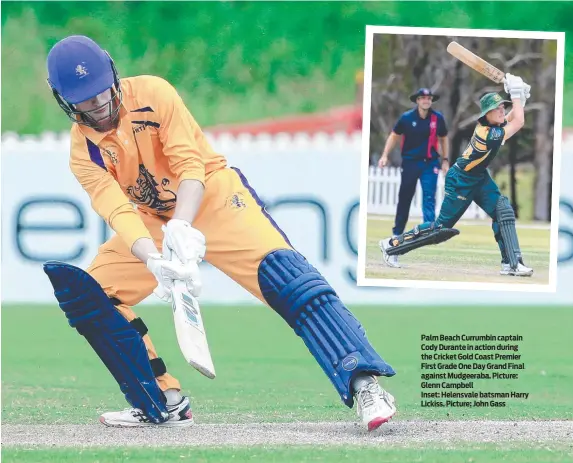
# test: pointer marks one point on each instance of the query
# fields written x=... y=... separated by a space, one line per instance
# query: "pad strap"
x=157 y=364
x=158 y=367
x=117 y=343
x=139 y=326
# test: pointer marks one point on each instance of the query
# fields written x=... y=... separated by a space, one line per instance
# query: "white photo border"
x=364 y=166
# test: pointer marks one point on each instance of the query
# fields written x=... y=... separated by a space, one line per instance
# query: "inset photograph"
x=460 y=159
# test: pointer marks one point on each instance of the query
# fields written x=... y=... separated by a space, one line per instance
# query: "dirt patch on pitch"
x=433 y=271
x=398 y=434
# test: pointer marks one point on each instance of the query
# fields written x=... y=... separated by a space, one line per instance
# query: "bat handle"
x=174 y=257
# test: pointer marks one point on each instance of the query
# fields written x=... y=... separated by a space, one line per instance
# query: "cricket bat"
x=190 y=331
x=475 y=62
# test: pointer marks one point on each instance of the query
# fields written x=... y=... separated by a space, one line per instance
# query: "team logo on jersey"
x=146 y=193
x=112 y=155
x=496 y=133
x=236 y=201
x=432 y=125
x=414 y=124
x=81 y=70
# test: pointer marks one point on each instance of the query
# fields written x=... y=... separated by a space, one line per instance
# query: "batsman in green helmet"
x=469 y=180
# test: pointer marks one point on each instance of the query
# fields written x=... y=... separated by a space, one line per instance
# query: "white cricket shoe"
x=179 y=416
x=520 y=271
x=391 y=261
x=374 y=405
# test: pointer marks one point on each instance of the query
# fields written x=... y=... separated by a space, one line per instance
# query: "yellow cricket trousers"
x=238 y=232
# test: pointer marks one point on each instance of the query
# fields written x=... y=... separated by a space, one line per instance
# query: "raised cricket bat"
x=190 y=331
x=475 y=62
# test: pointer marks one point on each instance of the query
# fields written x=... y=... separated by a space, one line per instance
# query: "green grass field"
x=472 y=256
x=485 y=453
x=265 y=374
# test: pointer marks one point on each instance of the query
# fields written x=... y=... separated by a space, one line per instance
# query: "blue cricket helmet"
x=78 y=70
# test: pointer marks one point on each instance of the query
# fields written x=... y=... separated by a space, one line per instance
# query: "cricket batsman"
x=469 y=180
x=173 y=202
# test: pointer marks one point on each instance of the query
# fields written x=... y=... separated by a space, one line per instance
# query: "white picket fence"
x=383 y=188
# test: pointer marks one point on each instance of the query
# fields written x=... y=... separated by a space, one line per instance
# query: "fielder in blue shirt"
x=419 y=129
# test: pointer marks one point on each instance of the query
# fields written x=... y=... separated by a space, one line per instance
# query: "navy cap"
x=424 y=92
x=79 y=69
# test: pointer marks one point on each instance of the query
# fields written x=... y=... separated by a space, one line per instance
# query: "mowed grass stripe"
x=472 y=256
x=50 y=375
x=470 y=453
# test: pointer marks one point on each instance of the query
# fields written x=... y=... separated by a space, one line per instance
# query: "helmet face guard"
x=79 y=70
x=85 y=117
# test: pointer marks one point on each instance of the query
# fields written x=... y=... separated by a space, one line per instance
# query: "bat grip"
x=174 y=257
x=180 y=283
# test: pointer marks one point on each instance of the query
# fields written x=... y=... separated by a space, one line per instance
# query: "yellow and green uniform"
x=482 y=148
x=469 y=180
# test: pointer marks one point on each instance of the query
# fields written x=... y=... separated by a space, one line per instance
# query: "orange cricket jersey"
x=157 y=144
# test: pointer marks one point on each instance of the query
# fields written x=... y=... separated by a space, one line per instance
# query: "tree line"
x=403 y=63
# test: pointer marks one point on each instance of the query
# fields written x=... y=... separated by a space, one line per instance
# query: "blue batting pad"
x=117 y=343
x=305 y=300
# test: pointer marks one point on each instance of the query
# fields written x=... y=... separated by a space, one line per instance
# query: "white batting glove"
x=506 y=81
x=166 y=272
x=514 y=85
x=525 y=94
x=185 y=244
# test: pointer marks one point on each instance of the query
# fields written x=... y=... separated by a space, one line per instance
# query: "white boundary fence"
x=383 y=188
x=311 y=187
